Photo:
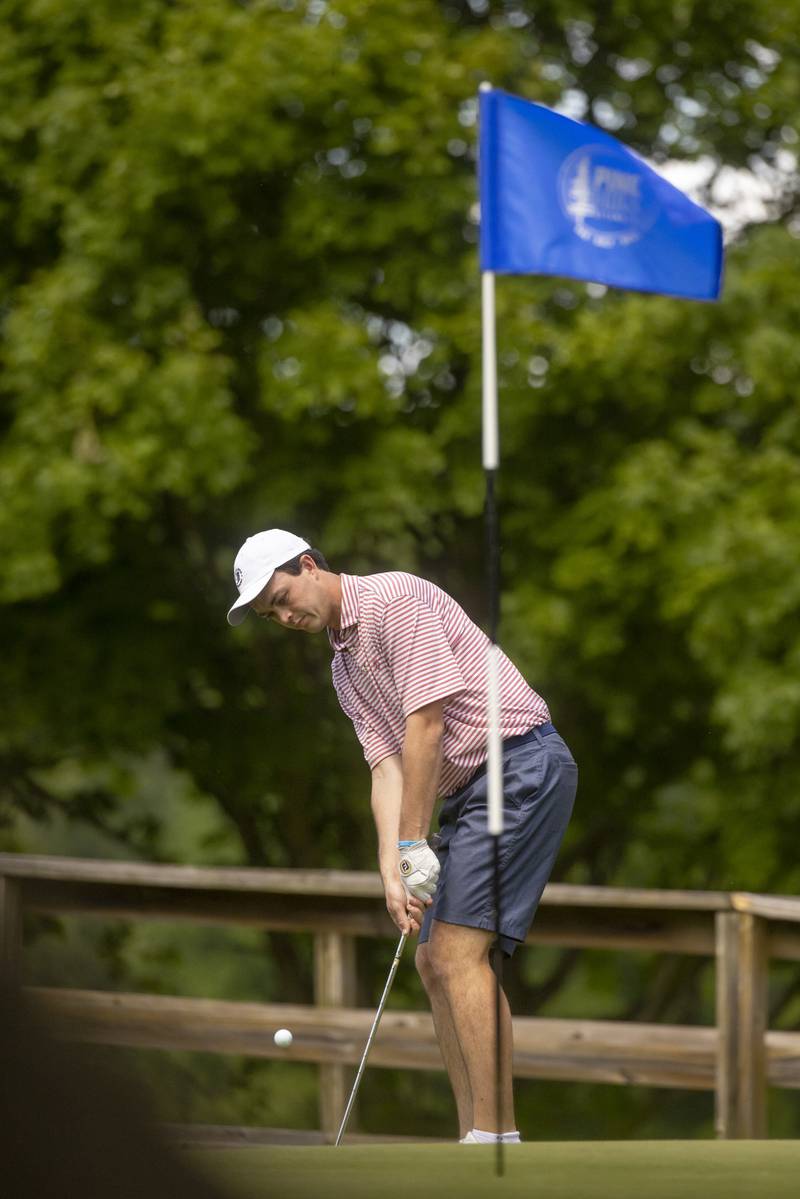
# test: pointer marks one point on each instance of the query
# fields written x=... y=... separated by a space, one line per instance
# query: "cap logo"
x=238 y=576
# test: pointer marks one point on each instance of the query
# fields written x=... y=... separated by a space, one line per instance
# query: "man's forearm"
x=422 y=764
x=387 y=794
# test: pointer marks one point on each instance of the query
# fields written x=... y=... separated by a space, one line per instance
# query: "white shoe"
x=471 y=1139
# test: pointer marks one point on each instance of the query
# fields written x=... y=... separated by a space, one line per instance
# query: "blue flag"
x=562 y=198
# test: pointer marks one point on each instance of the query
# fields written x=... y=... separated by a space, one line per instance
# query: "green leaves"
x=103 y=426
x=241 y=290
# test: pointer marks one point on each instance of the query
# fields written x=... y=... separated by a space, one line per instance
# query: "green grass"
x=561 y=1170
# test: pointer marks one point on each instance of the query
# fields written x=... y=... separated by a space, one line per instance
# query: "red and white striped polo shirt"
x=404 y=643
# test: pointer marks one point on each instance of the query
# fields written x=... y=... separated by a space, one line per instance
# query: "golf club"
x=392 y=971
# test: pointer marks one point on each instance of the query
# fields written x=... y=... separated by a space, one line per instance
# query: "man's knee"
x=438 y=967
x=443 y=967
x=426 y=967
x=454 y=951
x=435 y=967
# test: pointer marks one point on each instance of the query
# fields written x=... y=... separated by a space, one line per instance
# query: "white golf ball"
x=283 y=1038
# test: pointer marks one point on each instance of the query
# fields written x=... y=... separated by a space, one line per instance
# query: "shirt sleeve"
x=418 y=654
x=376 y=745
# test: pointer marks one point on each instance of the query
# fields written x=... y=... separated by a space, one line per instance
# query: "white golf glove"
x=419 y=869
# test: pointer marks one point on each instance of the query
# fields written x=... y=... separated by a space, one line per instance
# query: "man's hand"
x=406 y=910
x=419 y=869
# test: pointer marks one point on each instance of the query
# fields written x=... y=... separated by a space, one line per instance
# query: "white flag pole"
x=491 y=460
x=491 y=450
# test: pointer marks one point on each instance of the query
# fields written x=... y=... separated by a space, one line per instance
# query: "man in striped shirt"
x=409 y=668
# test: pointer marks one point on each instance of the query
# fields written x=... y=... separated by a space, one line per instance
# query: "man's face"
x=296 y=601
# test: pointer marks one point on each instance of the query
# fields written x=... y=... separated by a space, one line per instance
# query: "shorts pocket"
x=523 y=779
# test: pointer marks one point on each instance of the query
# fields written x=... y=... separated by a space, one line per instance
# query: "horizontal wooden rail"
x=352 y=902
x=785 y=908
x=653 y=1055
x=316 y=882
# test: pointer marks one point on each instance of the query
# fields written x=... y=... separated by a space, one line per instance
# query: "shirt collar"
x=348 y=615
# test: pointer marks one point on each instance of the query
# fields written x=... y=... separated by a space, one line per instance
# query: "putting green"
x=562 y=1170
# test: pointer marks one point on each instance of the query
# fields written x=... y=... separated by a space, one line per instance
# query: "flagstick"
x=494 y=766
x=491 y=458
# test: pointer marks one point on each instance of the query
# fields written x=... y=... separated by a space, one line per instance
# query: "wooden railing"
x=737 y=1058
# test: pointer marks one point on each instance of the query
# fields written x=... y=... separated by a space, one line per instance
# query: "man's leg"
x=459 y=958
x=448 y=1041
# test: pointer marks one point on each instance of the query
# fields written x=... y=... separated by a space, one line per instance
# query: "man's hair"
x=293 y=567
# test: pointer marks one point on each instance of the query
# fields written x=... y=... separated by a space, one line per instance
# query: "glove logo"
x=405 y=866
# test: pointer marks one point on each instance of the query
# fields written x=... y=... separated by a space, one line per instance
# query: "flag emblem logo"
x=608 y=203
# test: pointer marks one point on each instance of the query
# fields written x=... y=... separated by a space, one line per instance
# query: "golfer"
x=409 y=668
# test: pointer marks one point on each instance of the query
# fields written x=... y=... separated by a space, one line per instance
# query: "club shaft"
x=392 y=971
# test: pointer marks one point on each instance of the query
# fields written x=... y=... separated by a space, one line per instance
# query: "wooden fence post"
x=741 y=1002
x=334 y=986
x=726 y=985
x=752 y=1004
x=10 y=929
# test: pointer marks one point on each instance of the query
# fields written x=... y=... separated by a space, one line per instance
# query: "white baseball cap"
x=256 y=563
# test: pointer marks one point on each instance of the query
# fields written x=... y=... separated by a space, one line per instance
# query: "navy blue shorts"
x=540 y=779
